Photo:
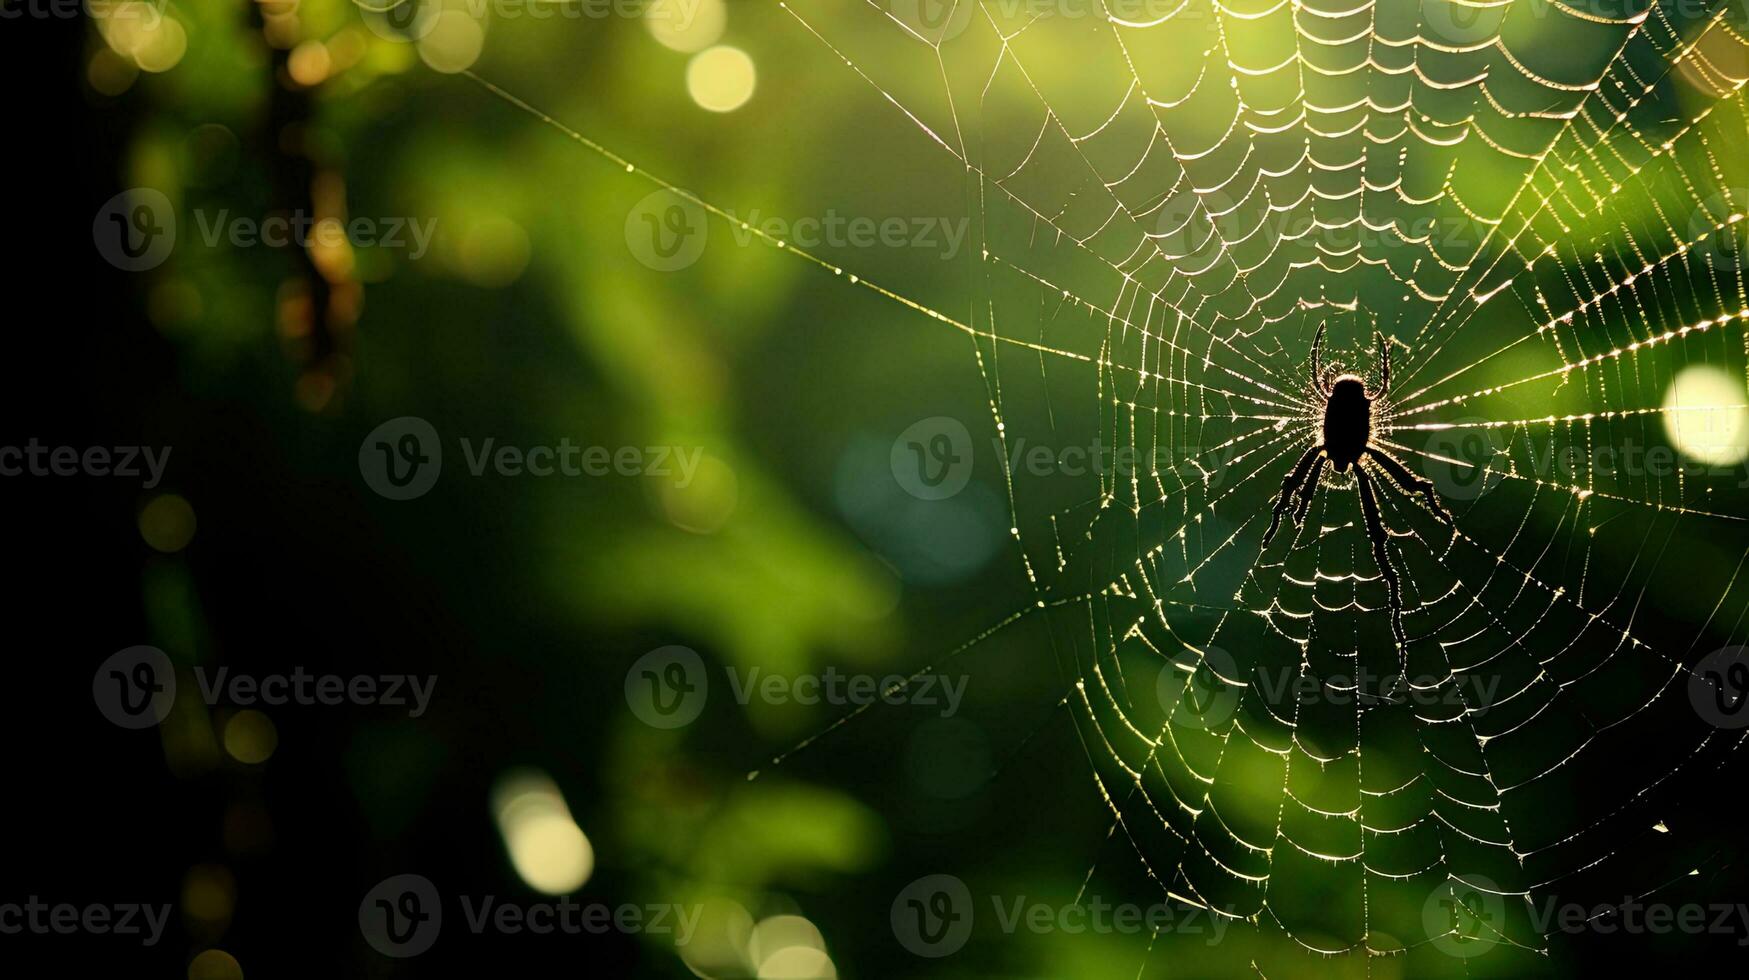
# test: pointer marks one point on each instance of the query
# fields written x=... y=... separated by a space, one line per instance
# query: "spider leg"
x=1291 y=484
x=1318 y=362
x=1384 y=365
x=1405 y=478
x=1375 y=529
x=1307 y=490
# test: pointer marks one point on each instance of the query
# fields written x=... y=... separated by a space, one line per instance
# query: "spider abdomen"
x=1347 y=422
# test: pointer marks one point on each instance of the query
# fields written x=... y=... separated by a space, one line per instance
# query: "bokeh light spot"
x=721 y=79
x=109 y=73
x=1705 y=415
x=454 y=42
x=547 y=848
x=719 y=945
x=209 y=897
x=250 y=737
x=704 y=504
x=797 y=963
x=161 y=48
x=493 y=252
x=309 y=63
x=776 y=936
x=167 y=523
x=215 y=964
x=685 y=26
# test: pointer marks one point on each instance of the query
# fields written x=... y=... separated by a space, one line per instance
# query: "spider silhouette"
x=1346 y=442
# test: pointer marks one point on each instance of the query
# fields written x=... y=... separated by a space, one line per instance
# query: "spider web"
x=1539 y=204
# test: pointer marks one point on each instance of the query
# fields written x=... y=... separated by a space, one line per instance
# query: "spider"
x=1347 y=440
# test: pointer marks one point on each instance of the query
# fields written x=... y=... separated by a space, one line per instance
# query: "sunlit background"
x=530 y=138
